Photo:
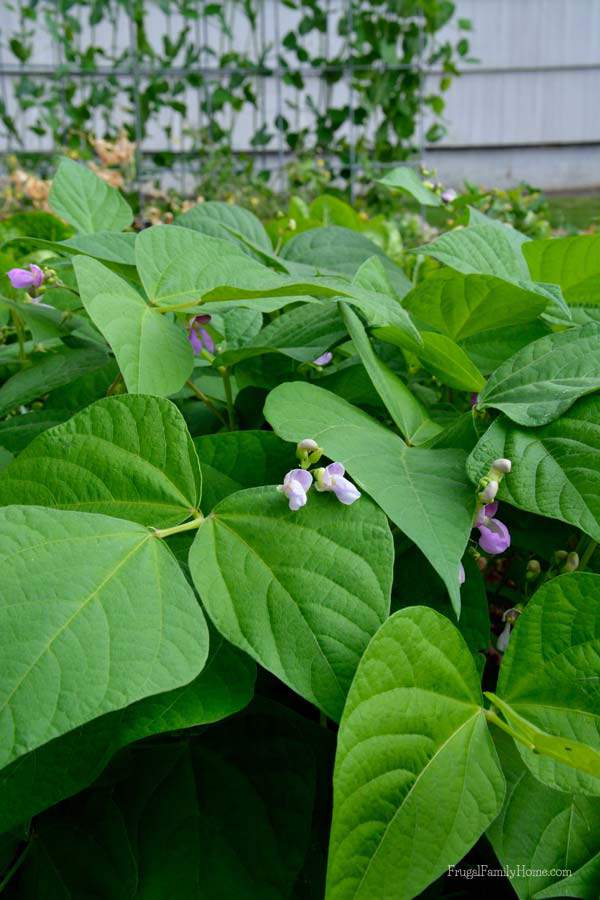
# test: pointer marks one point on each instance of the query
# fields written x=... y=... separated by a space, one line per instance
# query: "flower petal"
x=494 y=536
x=345 y=491
x=303 y=477
x=21 y=278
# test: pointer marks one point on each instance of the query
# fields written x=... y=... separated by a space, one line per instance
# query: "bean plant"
x=299 y=592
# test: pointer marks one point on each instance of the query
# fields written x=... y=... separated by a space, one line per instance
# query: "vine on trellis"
x=383 y=51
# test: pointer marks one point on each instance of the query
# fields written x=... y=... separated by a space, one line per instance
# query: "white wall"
x=542 y=126
x=503 y=126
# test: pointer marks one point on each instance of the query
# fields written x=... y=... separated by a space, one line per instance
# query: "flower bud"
x=504 y=638
x=308 y=452
x=533 y=570
x=502 y=465
x=308 y=444
x=489 y=492
x=449 y=195
x=571 y=562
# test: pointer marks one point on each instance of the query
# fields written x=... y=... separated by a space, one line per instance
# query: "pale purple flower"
x=26 y=278
x=331 y=478
x=494 y=536
x=504 y=638
x=199 y=337
x=449 y=195
x=308 y=444
x=324 y=359
x=461 y=573
x=295 y=487
x=509 y=618
x=502 y=465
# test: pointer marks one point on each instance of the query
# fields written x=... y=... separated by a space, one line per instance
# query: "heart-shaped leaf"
x=545 y=378
x=95 y=614
x=413 y=747
x=463 y=305
x=86 y=201
x=301 y=592
x=127 y=456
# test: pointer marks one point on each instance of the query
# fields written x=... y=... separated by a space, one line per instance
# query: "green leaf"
x=70 y=763
x=127 y=456
x=540 y=830
x=51 y=371
x=301 y=592
x=408 y=180
x=374 y=276
x=18 y=431
x=556 y=468
x=336 y=249
x=489 y=349
x=179 y=266
x=153 y=353
x=193 y=818
x=109 y=246
x=424 y=492
x=550 y=674
x=544 y=379
x=95 y=614
x=408 y=413
x=568 y=261
x=224 y=220
x=86 y=201
x=481 y=250
x=494 y=248
x=240 y=459
x=440 y=355
x=463 y=305
x=303 y=334
x=417 y=779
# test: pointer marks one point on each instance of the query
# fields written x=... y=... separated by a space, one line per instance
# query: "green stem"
x=587 y=554
x=491 y=716
x=206 y=400
x=15 y=866
x=228 y=396
x=177 y=529
x=115 y=385
x=20 y=332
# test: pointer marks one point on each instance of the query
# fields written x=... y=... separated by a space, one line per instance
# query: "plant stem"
x=228 y=396
x=115 y=385
x=176 y=529
x=20 y=332
x=15 y=866
x=587 y=554
x=491 y=716
x=206 y=400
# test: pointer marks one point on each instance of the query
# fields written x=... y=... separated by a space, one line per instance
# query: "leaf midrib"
x=449 y=739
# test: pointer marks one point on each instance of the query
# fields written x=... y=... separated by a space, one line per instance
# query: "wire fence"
x=247 y=59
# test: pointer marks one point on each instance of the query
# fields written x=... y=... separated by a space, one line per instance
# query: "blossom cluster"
x=331 y=478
